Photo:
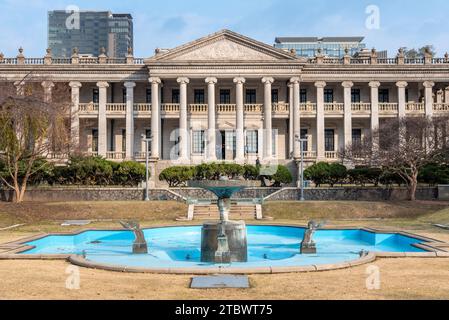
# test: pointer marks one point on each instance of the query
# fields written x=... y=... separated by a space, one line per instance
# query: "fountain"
x=224 y=241
x=140 y=244
x=308 y=246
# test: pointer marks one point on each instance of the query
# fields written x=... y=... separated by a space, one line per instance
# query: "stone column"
x=320 y=123
x=183 y=127
x=374 y=106
x=428 y=85
x=240 y=118
x=401 y=98
x=268 y=128
x=74 y=116
x=48 y=88
x=130 y=119
x=347 y=127
x=102 y=120
x=211 y=138
x=296 y=118
x=155 y=117
x=291 y=134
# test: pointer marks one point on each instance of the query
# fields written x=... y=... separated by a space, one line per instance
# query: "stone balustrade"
x=415 y=107
x=361 y=107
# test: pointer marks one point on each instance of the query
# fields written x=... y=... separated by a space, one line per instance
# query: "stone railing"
x=331 y=155
x=142 y=107
x=388 y=107
x=361 y=107
x=170 y=107
x=88 y=107
x=308 y=107
x=415 y=107
x=281 y=108
x=441 y=107
x=116 y=107
x=226 y=108
x=253 y=108
x=113 y=155
x=334 y=107
x=309 y=154
x=198 y=108
x=140 y=155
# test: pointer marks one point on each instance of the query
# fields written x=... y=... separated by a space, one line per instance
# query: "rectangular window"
x=384 y=96
x=95 y=96
x=148 y=95
x=198 y=142
x=225 y=96
x=407 y=97
x=175 y=96
x=355 y=96
x=303 y=96
x=252 y=141
x=124 y=95
x=328 y=95
x=356 y=136
x=199 y=96
x=123 y=140
x=305 y=135
x=275 y=96
x=148 y=136
x=94 y=140
x=250 y=96
x=329 y=140
x=274 y=135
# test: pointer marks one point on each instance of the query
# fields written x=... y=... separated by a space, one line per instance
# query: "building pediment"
x=224 y=46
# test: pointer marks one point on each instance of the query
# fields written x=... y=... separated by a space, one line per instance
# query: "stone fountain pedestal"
x=224 y=241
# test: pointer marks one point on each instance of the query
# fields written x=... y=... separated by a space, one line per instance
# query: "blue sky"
x=169 y=23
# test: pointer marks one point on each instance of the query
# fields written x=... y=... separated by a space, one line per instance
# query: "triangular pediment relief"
x=225 y=46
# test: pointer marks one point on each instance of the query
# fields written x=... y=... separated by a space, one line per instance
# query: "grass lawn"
x=400 y=278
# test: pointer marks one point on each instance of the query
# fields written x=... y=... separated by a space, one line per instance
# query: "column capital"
x=429 y=84
x=267 y=80
x=155 y=80
x=75 y=84
x=320 y=84
x=401 y=84
x=102 y=84
x=239 y=80
x=183 y=80
x=211 y=80
x=48 y=84
x=347 y=84
x=295 y=80
x=374 y=84
x=129 y=85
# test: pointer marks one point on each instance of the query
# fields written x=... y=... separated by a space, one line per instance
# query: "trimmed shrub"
x=282 y=176
x=362 y=176
x=389 y=178
x=434 y=174
x=337 y=174
x=318 y=173
x=250 y=172
x=177 y=176
x=129 y=173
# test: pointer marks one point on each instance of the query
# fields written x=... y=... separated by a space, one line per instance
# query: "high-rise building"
x=94 y=30
x=333 y=47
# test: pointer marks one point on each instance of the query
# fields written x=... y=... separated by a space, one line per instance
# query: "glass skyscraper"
x=333 y=47
x=97 y=29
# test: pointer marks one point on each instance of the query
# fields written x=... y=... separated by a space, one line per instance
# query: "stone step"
x=237 y=212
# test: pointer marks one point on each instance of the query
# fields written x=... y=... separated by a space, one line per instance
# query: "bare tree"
x=403 y=147
x=32 y=126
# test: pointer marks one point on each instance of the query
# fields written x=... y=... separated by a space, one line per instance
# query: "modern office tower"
x=333 y=47
x=91 y=32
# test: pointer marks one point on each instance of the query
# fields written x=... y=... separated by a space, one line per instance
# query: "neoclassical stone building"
x=228 y=97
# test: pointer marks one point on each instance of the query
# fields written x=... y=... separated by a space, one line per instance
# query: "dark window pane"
x=303 y=96
x=328 y=96
x=199 y=96
x=95 y=96
x=250 y=96
x=275 y=96
x=355 y=96
x=175 y=96
x=356 y=136
x=329 y=140
x=225 y=96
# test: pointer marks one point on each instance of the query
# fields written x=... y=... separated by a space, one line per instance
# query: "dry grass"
x=400 y=279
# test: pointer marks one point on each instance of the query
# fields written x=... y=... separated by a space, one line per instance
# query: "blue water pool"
x=180 y=247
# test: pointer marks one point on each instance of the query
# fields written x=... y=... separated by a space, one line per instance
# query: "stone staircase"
x=238 y=212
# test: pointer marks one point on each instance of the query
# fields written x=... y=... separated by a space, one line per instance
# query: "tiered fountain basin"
x=271 y=249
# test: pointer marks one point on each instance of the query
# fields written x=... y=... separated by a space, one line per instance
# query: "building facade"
x=94 y=30
x=333 y=47
x=231 y=98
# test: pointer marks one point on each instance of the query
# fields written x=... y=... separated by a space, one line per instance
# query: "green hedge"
x=178 y=176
